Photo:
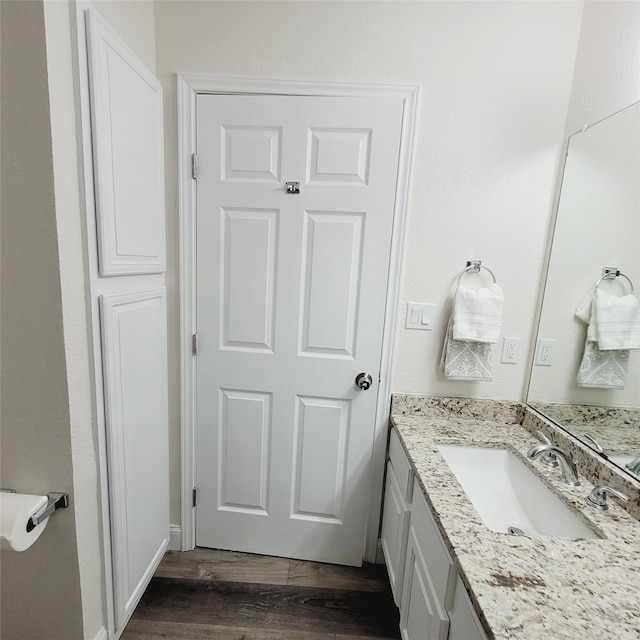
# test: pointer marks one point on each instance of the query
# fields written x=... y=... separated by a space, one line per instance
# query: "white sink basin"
x=506 y=493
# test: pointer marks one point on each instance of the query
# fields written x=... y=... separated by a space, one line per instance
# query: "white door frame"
x=189 y=86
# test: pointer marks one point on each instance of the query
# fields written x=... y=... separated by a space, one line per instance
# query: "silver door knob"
x=363 y=381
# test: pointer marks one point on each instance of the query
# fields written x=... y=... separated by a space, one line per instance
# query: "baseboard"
x=102 y=635
x=175 y=538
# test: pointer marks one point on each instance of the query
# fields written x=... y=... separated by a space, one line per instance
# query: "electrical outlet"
x=510 y=350
x=544 y=353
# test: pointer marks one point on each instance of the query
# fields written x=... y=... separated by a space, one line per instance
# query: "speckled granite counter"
x=523 y=587
x=617 y=429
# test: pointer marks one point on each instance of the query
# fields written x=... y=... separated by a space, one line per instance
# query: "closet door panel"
x=126 y=113
x=135 y=363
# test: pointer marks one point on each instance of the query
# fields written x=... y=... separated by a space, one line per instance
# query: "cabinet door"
x=422 y=617
x=464 y=621
x=395 y=528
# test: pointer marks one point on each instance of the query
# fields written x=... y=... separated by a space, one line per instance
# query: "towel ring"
x=474 y=266
x=609 y=273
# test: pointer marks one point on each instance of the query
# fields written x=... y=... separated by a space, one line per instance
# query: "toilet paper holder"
x=55 y=501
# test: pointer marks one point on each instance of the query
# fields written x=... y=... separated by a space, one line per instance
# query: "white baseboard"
x=175 y=538
x=102 y=635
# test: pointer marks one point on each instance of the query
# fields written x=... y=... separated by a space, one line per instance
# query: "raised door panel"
x=331 y=277
x=248 y=278
x=135 y=363
x=126 y=111
x=245 y=434
x=320 y=443
x=339 y=156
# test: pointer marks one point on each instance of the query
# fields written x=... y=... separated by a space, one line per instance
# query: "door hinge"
x=194 y=344
x=195 y=496
x=194 y=166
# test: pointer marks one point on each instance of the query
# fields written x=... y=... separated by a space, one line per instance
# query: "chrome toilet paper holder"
x=55 y=501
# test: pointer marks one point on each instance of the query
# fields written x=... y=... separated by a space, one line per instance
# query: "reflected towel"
x=618 y=321
x=603 y=369
x=465 y=360
x=477 y=314
x=613 y=321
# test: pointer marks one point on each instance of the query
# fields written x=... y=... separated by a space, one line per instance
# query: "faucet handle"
x=634 y=465
x=594 y=442
x=598 y=497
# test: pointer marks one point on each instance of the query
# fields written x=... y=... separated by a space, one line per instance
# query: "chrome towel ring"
x=611 y=273
x=474 y=266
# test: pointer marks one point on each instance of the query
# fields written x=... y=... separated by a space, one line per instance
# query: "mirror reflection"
x=593 y=393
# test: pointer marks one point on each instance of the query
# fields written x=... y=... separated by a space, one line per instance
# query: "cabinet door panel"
x=401 y=467
x=395 y=527
x=422 y=616
x=126 y=111
x=135 y=363
x=464 y=621
x=441 y=567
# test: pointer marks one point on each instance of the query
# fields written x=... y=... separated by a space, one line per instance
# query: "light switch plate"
x=420 y=315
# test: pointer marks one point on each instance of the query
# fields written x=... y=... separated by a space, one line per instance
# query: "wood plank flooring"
x=206 y=594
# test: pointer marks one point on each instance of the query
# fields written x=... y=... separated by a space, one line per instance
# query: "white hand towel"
x=477 y=314
x=618 y=321
x=585 y=312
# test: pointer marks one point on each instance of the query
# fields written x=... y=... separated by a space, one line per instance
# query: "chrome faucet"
x=567 y=465
x=598 y=497
x=634 y=465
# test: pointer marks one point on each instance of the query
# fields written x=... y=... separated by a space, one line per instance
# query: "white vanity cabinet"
x=395 y=523
x=432 y=599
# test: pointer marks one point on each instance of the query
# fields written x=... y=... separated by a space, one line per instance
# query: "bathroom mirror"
x=598 y=225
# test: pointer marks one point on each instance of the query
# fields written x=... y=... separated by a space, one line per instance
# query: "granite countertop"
x=523 y=587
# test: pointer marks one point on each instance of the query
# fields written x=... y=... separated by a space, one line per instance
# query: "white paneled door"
x=291 y=291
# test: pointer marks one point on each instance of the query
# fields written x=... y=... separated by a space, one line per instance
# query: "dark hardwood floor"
x=224 y=595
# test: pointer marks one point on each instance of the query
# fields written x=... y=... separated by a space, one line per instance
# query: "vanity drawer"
x=401 y=466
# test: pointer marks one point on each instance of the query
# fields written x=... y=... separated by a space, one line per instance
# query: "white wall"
x=495 y=80
x=41 y=586
x=607 y=72
x=134 y=22
x=597 y=223
x=55 y=589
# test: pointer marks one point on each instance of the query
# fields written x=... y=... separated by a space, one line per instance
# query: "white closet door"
x=126 y=114
x=135 y=362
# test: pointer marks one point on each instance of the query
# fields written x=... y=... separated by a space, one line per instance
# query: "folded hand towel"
x=464 y=360
x=585 y=312
x=618 y=321
x=477 y=314
x=603 y=369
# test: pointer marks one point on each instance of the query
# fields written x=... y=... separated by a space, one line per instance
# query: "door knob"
x=364 y=381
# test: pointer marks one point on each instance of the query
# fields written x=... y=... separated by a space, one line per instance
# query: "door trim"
x=189 y=86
